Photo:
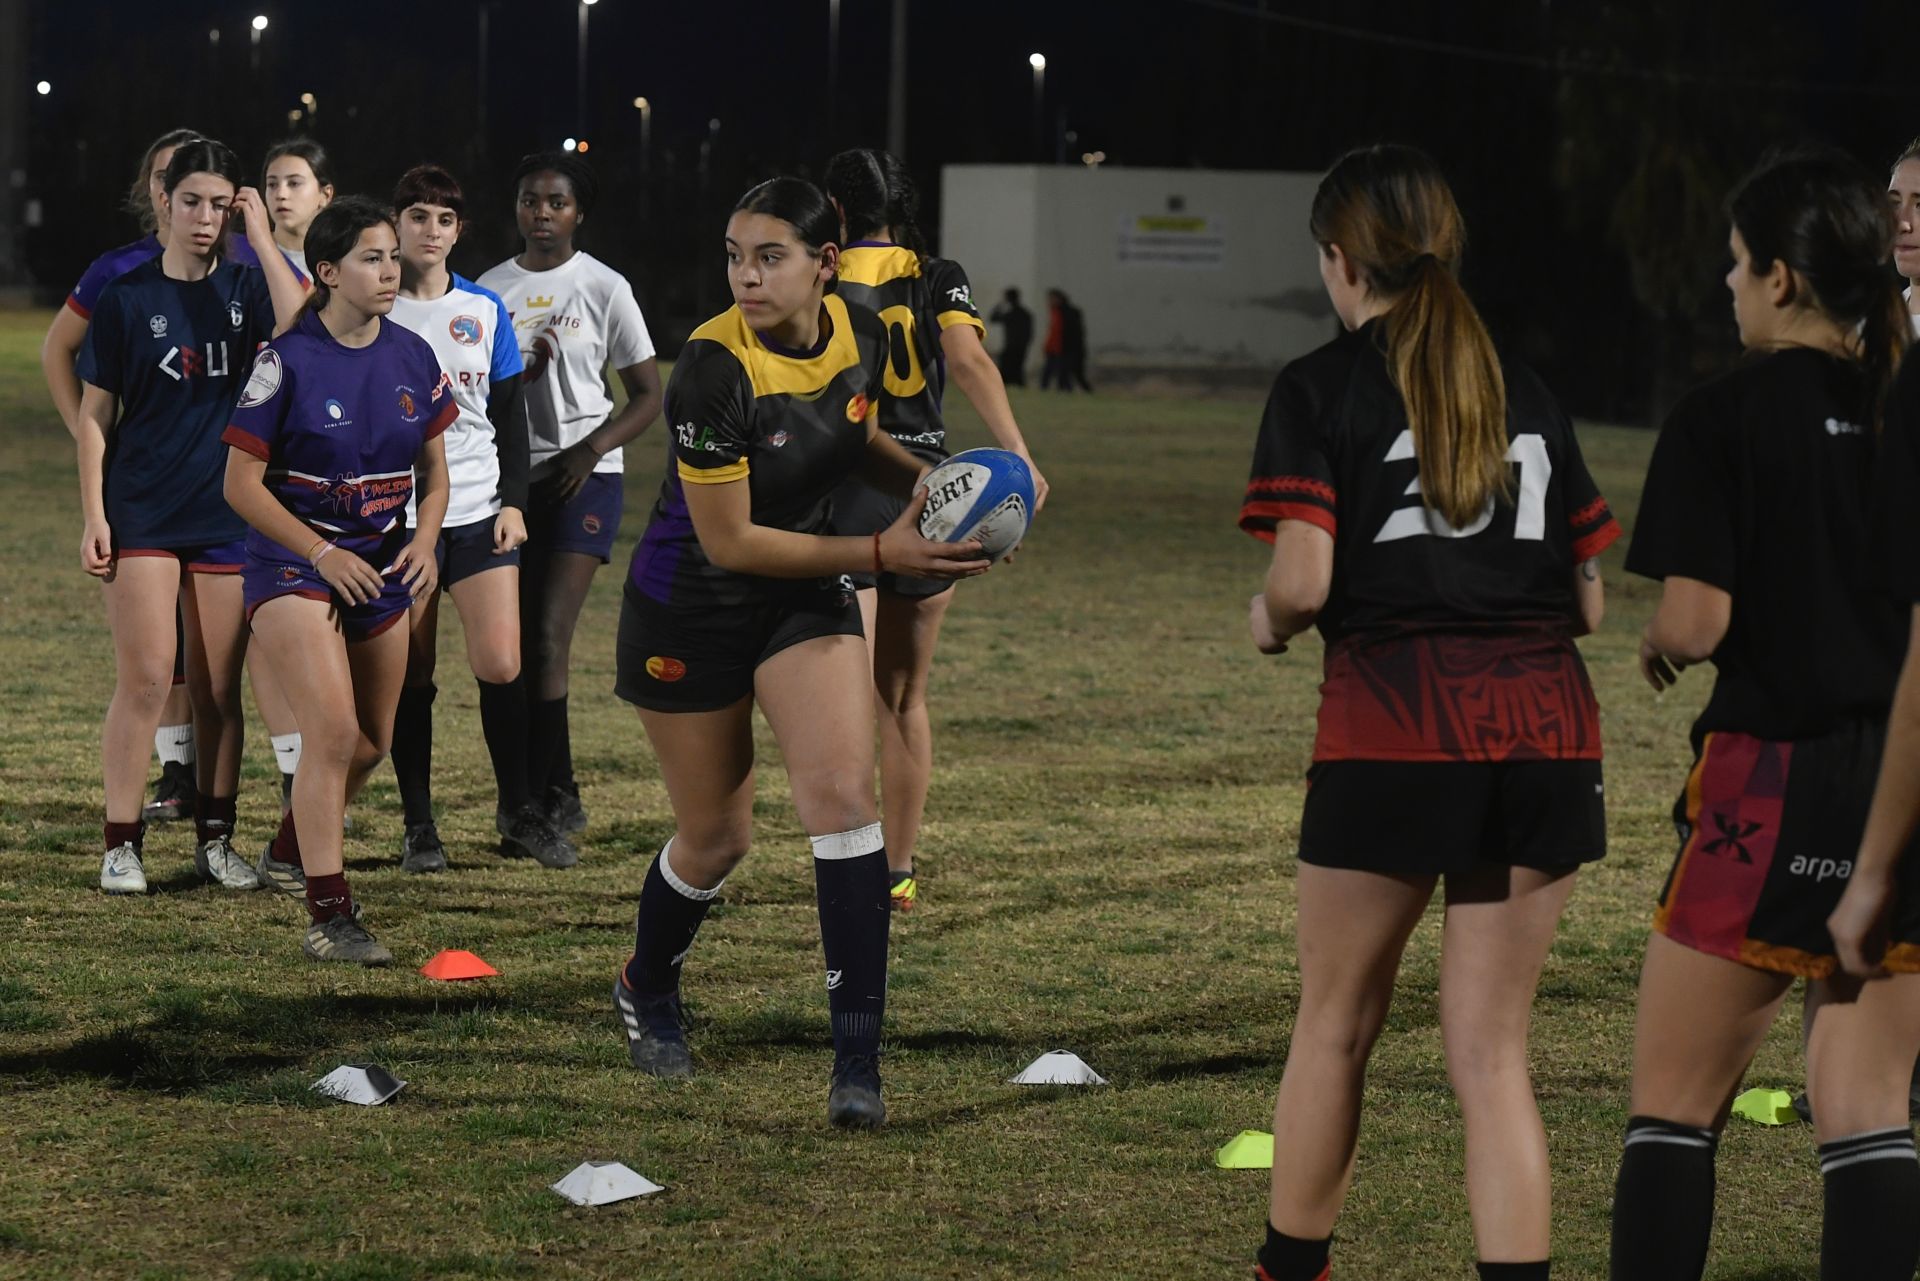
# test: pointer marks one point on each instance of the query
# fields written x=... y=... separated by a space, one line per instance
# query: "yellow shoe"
x=903 y=890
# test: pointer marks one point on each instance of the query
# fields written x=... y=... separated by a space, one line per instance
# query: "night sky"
x=1542 y=113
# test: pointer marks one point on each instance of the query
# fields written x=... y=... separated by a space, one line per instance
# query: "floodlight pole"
x=897 y=85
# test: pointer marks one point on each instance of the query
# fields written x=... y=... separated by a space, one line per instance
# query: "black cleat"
x=854 y=1102
x=656 y=1031
x=421 y=849
x=565 y=812
x=530 y=834
x=173 y=794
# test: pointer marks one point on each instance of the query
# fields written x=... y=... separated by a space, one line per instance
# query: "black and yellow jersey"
x=916 y=299
x=792 y=424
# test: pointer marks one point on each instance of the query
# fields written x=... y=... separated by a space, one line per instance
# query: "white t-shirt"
x=572 y=321
x=471 y=334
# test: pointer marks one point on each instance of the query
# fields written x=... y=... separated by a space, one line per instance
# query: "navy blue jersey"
x=339 y=428
x=106 y=269
x=174 y=352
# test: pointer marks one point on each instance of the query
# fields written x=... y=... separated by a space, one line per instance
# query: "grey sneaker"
x=421 y=849
x=121 y=872
x=288 y=878
x=529 y=834
x=656 y=1032
x=854 y=1102
x=172 y=795
x=218 y=863
x=343 y=938
x=565 y=812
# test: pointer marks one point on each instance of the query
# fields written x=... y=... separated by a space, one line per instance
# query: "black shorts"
x=466 y=550
x=859 y=508
x=700 y=660
x=585 y=523
x=1427 y=818
x=1768 y=835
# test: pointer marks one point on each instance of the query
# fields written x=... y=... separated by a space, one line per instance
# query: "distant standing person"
x=574 y=316
x=1053 y=347
x=1017 y=322
x=1073 y=345
x=1903 y=190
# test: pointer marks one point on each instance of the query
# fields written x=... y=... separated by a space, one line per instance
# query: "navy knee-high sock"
x=850 y=881
x=413 y=752
x=670 y=914
x=1871 y=1232
x=503 y=721
x=1663 y=1202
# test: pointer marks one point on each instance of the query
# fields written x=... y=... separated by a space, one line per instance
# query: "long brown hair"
x=1394 y=217
x=139 y=201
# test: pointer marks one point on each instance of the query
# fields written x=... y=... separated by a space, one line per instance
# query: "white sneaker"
x=120 y=871
x=218 y=863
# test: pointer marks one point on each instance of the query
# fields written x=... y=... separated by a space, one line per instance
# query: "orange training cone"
x=454 y=964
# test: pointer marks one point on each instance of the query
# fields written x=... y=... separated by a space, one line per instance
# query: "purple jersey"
x=339 y=429
x=108 y=267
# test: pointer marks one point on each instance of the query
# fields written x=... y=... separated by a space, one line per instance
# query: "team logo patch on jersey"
x=466 y=330
x=288 y=574
x=665 y=669
x=537 y=302
x=778 y=438
x=590 y=523
x=336 y=412
x=409 y=409
x=858 y=407
x=263 y=382
x=159 y=326
x=236 y=314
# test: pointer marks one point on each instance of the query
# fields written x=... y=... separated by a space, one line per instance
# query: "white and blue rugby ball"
x=979 y=495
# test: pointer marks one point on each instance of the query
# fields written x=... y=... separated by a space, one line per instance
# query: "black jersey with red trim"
x=1442 y=643
x=916 y=299
x=1762 y=484
x=791 y=424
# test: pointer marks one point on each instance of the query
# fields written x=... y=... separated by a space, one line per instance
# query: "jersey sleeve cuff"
x=444 y=419
x=247 y=442
x=78 y=308
x=1592 y=543
x=948 y=319
x=713 y=475
x=1260 y=517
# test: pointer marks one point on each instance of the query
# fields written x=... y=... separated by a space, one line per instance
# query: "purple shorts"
x=269 y=579
x=586 y=524
x=196 y=558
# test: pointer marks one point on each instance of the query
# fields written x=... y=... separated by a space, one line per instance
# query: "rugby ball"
x=979 y=495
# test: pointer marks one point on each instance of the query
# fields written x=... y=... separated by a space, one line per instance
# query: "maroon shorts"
x=1768 y=834
x=196 y=558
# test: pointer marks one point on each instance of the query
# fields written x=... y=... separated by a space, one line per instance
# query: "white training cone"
x=1057 y=1067
x=363 y=1083
x=598 y=1182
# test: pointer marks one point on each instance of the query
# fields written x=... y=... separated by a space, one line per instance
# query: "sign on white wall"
x=1172 y=240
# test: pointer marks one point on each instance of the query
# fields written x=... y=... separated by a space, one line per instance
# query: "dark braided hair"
x=577 y=172
x=876 y=192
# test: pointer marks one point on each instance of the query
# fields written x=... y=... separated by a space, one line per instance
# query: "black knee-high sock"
x=547 y=730
x=1514 y=1271
x=413 y=752
x=1871 y=1232
x=503 y=720
x=1663 y=1202
x=561 y=774
x=1285 y=1258
x=850 y=881
x=670 y=914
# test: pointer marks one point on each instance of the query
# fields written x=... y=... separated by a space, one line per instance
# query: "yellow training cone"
x=1247 y=1150
x=1768 y=1107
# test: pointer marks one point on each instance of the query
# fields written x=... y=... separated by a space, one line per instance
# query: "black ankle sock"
x=1872 y=1186
x=213 y=816
x=1285 y=1258
x=413 y=752
x=1663 y=1202
x=855 y=910
x=503 y=720
x=1513 y=1271
x=669 y=917
x=546 y=729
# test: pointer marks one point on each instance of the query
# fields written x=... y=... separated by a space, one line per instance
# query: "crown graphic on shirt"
x=546 y=301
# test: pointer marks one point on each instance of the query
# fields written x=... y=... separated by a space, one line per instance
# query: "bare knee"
x=900 y=700
x=831 y=800
x=1483 y=1059
x=495 y=658
x=1345 y=1034
x=703 y=855
x=330 y=745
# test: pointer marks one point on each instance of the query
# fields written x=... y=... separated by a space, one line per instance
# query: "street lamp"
x=1038 y=62
x=569 y=144
x=259 y=25
x=645 y=109
x=43 y=88
x=580 y=69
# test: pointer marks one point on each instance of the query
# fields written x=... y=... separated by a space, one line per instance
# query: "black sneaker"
x=656 y=1031
x=531 y=834
x=565 y=812
x=173 y=794
x=854 y=1102
x=343 y=938
x=421 y=849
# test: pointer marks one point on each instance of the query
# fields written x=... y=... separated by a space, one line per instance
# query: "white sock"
x=286 y=750
x=174 y=744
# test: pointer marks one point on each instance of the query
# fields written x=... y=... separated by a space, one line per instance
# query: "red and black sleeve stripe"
x=1594 y=530
x=1272 y=499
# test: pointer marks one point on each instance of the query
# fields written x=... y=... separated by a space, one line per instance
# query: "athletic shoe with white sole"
x=854 y=1102
x=218 y=863
x=173 y=794
x=421 y=849
x=121 y=871
x=530 y=834
x=656 y=1031
x=289 y=879
x=343 y=938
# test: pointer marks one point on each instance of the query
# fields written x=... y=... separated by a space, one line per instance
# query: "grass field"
x=1107 y=868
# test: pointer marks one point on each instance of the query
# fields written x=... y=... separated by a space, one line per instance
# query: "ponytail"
x=875 y=192
x=1394 y=217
